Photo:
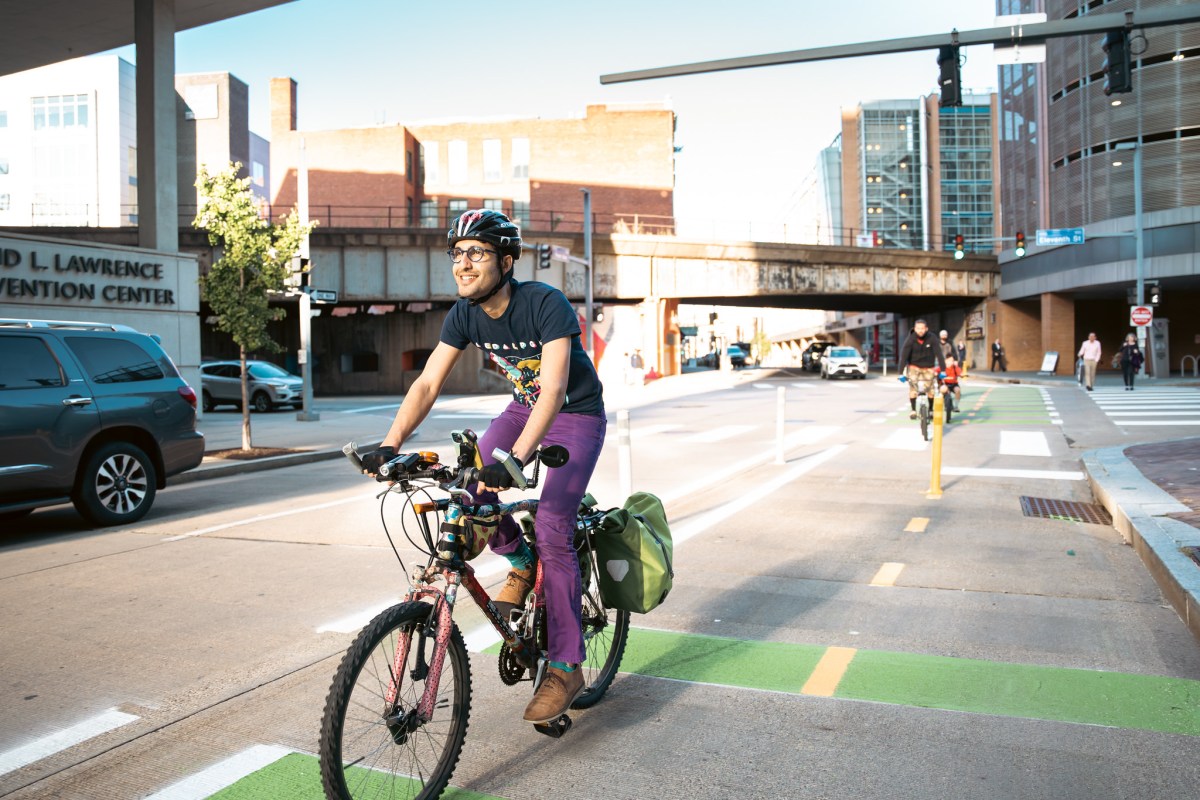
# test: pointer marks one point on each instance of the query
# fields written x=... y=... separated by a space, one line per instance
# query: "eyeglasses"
x=475 y=253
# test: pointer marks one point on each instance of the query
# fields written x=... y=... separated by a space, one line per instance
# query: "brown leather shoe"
x=514 y=591
x=558 y=690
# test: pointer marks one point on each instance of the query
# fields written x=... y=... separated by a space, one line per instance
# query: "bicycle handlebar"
x=416 y=466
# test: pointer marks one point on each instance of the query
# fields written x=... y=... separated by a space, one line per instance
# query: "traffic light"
x=877 y=238
x=1118 y=67
x=1020 y=248
x=959 y=250
x=543 y=251
x=1153 y=294
x=950 y=81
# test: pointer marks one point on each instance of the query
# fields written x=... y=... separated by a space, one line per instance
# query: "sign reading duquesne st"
x=40 y=273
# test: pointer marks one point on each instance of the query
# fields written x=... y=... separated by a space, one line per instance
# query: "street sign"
x=1054 y=236
x=322 y=295
x=1141 y=316
x=559 y=252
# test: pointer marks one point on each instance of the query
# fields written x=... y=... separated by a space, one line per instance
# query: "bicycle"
x=397 y=712
x=925 y=395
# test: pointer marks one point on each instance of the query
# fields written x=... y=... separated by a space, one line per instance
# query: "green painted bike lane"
x=1059 y=694
x=992 y=405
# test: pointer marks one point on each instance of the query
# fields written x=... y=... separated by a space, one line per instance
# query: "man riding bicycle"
x=531 y=332
x=919 y=356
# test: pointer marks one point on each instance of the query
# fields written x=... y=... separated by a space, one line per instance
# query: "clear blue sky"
x=749 y=137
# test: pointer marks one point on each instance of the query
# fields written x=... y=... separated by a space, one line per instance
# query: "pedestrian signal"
x=544 y=253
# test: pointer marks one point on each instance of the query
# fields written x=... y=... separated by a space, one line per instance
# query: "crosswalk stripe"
x=1024 y=443
x=719 y=434
x=63 y=739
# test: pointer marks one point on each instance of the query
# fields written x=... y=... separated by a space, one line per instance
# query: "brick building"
x=532 y=169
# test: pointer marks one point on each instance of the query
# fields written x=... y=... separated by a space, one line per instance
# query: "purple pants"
x=562 y=489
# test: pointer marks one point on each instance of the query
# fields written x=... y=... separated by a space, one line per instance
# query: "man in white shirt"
x=1089 y=351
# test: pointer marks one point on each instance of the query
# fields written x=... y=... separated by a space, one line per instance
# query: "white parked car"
x=843 y=361
x=270 y=385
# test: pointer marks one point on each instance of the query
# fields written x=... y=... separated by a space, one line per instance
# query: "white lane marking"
x=68 y=737
x=904 y=439
x=879 y=420
x=719 y=434
x=369 y=409
x=1024 y=443
x=642 y=431
x=806 y=385
x=484 y=636
x=763 y=385
x=988 y=472
x=225 y=773
x=1158 y=422
x=1195 y=412
x=265 y=517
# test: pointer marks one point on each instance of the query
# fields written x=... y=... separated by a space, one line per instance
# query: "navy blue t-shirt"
x=536 y=313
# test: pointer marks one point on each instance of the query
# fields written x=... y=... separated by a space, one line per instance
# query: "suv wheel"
x=117 y=485
x=261 y=402
x=207 y=401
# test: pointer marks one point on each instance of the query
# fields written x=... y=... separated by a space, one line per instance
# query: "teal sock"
x=522 y=559
x=564 y=666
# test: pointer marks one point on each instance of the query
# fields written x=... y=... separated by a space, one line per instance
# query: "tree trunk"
x=245 y=401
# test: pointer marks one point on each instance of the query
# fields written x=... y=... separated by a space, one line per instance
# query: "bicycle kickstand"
x=555 y=728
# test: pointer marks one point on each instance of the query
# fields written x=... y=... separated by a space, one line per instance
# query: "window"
x=28 y=364
x=429 y=214
x=491 y=160
x=3 y=166
x=457 y=153
x=257 y=173
x=456 y=207
x=430 y=173
x=520 y=212
x=408 y=165
x=60 y=111
x=520 y=158
x=114 y=360
x=131 y=163
x=3 y=119
x=494 y=205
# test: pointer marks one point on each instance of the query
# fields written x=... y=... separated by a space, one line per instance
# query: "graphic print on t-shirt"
x=523 y=372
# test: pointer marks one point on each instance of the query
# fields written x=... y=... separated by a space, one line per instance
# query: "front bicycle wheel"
x=376 y=748
x=605 y=632
x=923 y=413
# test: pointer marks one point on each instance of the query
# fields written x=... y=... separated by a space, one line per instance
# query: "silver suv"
x=269 y=385
x=94 y=414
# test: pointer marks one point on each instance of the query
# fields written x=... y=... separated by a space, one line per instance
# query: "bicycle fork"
x=427 y=667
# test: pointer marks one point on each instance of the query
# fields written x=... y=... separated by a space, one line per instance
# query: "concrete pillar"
x=1058 y=329
x=668 y=362
x=158 y=181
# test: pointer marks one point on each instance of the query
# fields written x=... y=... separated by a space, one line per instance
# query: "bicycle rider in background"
x=922 y=358
x=531 y=331
x=950 y=384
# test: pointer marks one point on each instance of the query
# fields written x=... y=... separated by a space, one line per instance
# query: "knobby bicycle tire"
x=923 y=413
x=360 y=755
x=605 y=633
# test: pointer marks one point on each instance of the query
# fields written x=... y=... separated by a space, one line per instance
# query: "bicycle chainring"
x=512 y=671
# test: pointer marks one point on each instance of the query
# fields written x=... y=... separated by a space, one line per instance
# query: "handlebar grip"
x=350 y=451
x=506 y=458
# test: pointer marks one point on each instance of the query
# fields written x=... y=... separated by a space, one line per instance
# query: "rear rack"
x=54 y=323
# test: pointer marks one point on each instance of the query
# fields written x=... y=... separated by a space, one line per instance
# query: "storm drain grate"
x=1065 y=510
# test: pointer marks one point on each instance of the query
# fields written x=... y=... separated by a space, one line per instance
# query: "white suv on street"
x=843 y=361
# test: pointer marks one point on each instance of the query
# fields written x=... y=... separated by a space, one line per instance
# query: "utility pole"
x=587 y=275
x=304 y=356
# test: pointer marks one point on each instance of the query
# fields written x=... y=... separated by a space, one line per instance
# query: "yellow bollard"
x=939 y=419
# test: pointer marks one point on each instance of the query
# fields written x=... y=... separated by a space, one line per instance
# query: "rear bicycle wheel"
x=605 y=632
x=378 y=749
x=948 y=402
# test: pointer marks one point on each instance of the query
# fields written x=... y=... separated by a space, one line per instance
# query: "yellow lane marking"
x=887 y=574
x=829 y=671
x=917 y=525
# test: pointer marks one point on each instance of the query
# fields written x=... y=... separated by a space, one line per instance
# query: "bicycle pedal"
x=555 y=728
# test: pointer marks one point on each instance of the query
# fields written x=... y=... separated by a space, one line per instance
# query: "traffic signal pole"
x=1037 y=33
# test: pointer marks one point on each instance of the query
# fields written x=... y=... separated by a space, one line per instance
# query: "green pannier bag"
x=633 y=547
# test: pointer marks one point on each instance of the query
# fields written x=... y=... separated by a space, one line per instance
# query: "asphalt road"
x=833 y=632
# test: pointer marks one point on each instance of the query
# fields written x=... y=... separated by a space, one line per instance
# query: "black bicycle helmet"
x=487 y=226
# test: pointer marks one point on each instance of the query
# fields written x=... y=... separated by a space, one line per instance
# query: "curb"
x=1138 y=509
x=233 y=467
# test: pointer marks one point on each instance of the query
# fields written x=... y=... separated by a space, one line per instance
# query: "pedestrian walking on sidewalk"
x=1131 y=360
x=998 y=357
x=962 y=355
x=1089 y=351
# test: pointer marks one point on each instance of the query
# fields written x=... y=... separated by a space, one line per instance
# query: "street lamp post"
x=1139 y=238
x=587 y=278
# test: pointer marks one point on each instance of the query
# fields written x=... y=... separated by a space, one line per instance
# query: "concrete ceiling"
x=39 y=32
